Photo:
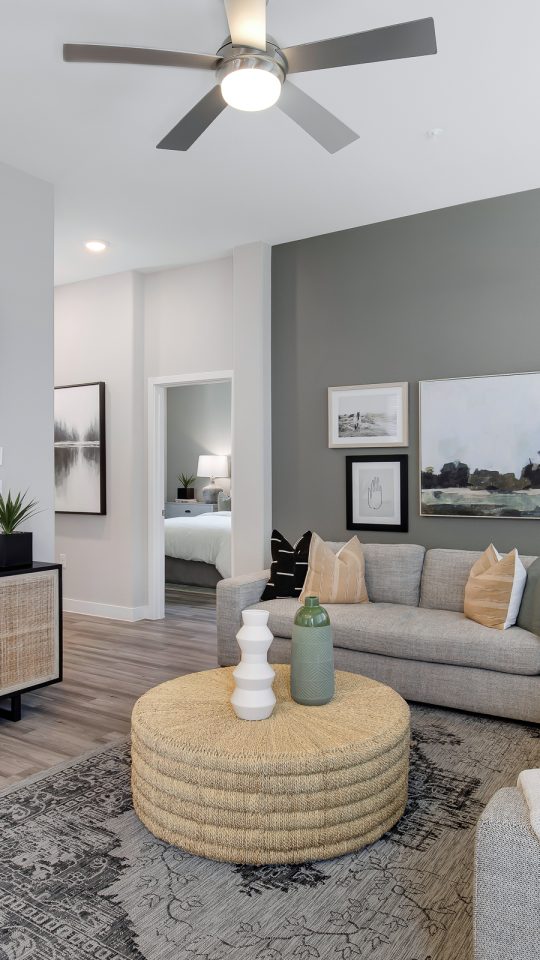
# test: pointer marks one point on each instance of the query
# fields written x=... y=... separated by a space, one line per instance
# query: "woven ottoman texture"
x=309 y=783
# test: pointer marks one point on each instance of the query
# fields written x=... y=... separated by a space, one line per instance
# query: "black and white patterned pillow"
x=289 y=567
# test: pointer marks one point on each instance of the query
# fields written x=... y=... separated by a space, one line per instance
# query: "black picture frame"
x=102 y=450
x=403 y=460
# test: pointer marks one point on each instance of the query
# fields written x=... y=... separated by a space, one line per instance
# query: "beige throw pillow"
x=494 y=589
x=336 y=577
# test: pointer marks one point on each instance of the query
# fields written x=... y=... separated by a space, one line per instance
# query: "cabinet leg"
x=14 y=713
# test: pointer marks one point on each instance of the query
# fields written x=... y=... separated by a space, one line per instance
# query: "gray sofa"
x=412 y=636
x=507 y=881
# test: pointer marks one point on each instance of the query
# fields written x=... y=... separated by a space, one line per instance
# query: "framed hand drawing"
x=377 y=493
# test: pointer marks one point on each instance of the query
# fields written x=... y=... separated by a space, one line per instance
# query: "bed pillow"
x=529 y=612
x=494 y=589
x=289 y=566
x=336 y=577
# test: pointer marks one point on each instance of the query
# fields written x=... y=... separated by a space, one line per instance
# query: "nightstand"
x=173 y=509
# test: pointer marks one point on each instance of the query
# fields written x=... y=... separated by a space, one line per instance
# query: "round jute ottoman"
x=308 y=784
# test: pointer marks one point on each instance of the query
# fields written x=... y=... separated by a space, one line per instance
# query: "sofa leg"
x=14 y=713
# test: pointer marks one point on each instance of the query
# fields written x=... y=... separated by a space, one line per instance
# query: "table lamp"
x=212 y=466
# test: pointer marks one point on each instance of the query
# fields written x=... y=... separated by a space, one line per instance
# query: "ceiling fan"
x=252 y=71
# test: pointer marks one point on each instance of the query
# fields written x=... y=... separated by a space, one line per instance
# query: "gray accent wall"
x=198 y=421
x=449 y=293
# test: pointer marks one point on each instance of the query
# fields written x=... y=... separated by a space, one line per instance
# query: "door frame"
x=157 y=421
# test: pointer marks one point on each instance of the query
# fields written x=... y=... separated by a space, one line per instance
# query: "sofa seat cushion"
x=413 y=633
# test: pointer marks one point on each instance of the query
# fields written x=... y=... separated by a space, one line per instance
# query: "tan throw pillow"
x=336 y=577
x=494 y=589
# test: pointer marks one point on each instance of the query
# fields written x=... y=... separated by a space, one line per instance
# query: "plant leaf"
x=13 y=512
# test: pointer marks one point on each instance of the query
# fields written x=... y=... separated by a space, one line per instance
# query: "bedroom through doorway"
x=197 y=493
x=197 y=509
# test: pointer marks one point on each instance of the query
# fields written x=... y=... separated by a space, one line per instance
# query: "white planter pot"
x=253 y=697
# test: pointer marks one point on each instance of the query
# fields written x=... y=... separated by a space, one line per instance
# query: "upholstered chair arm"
x=233 y=596
x=507 y=881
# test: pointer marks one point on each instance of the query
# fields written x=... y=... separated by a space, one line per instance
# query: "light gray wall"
x=26 y=347
x=198 y=421
x=450 y=293
x=99 y=336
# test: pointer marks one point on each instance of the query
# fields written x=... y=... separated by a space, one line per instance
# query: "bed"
x=198 y=549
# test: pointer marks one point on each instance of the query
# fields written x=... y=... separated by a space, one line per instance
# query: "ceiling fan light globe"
x=251 y=88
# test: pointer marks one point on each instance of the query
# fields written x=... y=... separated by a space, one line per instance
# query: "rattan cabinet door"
x=29 y=630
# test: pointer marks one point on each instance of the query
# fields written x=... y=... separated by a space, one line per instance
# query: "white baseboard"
x=106 y=610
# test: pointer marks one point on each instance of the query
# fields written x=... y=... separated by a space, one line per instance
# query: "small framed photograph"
x=378 y=493
x=374 y=415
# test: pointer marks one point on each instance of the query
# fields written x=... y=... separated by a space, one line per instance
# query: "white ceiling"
x=92 y=129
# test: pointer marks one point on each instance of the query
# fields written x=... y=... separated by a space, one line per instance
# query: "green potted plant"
x=186 y=491
x=15 y=546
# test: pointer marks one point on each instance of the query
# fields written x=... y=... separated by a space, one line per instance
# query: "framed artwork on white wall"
x=373 y=415
x=79 y=448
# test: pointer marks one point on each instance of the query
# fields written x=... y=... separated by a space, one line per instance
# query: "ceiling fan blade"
x=413 y=39
x=190 y=127
x=322 y=125
x=103 y=53
x=247 y=22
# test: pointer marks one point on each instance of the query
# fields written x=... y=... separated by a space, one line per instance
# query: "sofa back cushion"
x=393 y=571
x=445 y=575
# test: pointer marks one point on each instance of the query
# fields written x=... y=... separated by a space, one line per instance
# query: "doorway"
x=189 y=523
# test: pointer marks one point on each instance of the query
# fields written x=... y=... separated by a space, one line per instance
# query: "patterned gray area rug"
x=80 y=877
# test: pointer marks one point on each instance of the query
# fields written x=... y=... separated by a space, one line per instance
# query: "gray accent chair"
x=507 y=881
x=413 y=634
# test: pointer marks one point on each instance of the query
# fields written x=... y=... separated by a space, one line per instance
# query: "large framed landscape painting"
x=480 y=447
x=79 y=448
x=374 y=415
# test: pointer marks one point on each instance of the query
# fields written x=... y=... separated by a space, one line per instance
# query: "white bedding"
x=206 y=538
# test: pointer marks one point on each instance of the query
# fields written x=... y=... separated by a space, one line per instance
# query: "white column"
x=26 y=348
x=251 y=482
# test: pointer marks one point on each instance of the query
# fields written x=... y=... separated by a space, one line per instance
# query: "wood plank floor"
x=107 y=666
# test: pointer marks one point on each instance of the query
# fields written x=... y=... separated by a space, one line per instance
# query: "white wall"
x=188 y=319
x=216 y=316
x=99 y=336
x=26 y=346
x=125 y=329
x=198 y=421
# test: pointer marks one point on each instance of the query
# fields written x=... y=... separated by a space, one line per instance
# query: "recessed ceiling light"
x=97 y=246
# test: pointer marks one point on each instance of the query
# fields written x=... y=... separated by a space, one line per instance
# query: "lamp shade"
x=213 y=466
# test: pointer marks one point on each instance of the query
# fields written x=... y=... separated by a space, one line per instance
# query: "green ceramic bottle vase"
x=312 y=655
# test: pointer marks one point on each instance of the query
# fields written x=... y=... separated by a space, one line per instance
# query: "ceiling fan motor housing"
x=248 y=58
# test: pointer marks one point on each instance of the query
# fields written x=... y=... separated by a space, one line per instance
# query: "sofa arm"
x=233 y=596
x=507 y=880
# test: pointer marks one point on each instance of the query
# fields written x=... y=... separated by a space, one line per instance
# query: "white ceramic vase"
x=253 y=697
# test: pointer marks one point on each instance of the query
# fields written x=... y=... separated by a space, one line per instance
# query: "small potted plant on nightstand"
x=15 y=546
x=186 y=491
